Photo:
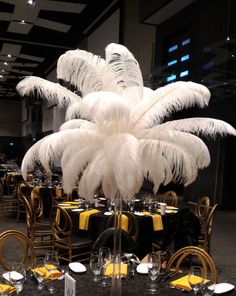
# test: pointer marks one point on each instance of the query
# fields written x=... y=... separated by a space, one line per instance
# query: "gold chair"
x=202 y=208
x=8 y=202
x=186 y=256
x=69 y=246
x=17 y=249
x=133 y=228
x=170 y=198
x=22 y=188
x=205 y=238
x=38 y=232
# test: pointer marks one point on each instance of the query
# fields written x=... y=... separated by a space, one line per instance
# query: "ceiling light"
x=3 y=71
x=228 y=38
x=1 y=76
x=22 y=22
x=9 y=55
x=31 y=2
x=5 y=63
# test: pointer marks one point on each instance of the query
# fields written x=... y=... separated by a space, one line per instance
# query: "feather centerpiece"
x=111 y=139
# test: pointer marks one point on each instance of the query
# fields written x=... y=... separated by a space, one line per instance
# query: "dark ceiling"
x=32 y=37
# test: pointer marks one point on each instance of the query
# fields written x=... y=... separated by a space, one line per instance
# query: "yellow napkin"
x=157 y=221
x=68 y=207
x=5 y=288
x=124 y=222
x=123 y=270
x=59 y=192
x=44 y=271
x=84 y=218
x=169 y=211
x=183 y=282
x=72 y=202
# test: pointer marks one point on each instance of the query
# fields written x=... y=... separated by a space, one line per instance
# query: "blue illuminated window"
x=172 y=48
x=171 y=77
x=184 y=73
x=172 y=63
x=185 y=58
x=186 y=41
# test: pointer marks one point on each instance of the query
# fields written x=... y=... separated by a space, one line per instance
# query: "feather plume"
x=122 y=63
x=50 y=91
x=86 y=71
x=188 y=142
x=205 y=126
x=72 y=111
x=165 y=100
x=76 y=123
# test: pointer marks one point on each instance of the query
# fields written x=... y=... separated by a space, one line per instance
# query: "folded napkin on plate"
x=183 y=283
x=7 y=288
x=123 y=270
x=43 y=271
x=84 y=218
x=157 y=221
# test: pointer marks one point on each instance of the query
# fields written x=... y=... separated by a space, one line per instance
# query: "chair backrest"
x=202 y=208
x=186 y=256
x=30 y=218
x=133 y=227
x=36 y=204
x=170 y=198
x=1 y=189
x=23 y=188
x=17 y=249
x=208 y=229
x=61 y=225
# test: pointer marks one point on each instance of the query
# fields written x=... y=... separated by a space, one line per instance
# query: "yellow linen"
x=123 y=270
x=84 y=218
x=72 y=202
x=68 y=207
x=43 y=271
x=36 y=188
x=157 y=221
x=183 y=283
x=169 y=211
x=59 y=192
x=6 y=288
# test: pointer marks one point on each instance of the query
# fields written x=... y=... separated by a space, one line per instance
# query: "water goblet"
x=17 y=277
x=195 y=278
x=51 y=262
x=154 y=267
x=95 y=265
x=208 y=285
x=131 y=204
x=40 y=272
x=105 y=259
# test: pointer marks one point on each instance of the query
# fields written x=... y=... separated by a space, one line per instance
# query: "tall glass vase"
x=116 y=288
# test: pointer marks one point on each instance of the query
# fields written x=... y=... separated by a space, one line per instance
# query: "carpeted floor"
x=223 y=248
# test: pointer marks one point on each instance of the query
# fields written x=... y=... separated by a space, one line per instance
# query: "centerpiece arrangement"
x=116 y=132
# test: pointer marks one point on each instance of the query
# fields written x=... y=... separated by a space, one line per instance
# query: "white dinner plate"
x=171 y=208
x=139 y=213
x=77 y=210
x=142 y=268
x=137 y=199
x=77 y=267
x=223 y=288
x=108 y=213
x=102 y=198
x=14 y=275
x=64 y=204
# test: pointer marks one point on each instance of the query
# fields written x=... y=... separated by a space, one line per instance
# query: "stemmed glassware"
x=51 y=263
x=154 y=267
x=17 y=277
x=40 y=272
x=208 y=285
x=195 y=278
x=95 y=265
x=105 y=259
x=131 y=204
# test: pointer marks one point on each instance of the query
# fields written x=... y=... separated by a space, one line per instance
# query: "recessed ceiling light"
x=228 y=38
x=5 y=63
x=1 y=76
x=3 y=71
x=22 y=22
x=31 y=2
x=9 y=55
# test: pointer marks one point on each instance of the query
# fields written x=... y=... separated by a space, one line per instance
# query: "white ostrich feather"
x=86 y=71
x=182 y=164
x=109 y=186
x=167 y=99
x=76 y=123
x=50 y=91
x=205 y=126
x=192 y=144
x=126 y=70
x=72 y=111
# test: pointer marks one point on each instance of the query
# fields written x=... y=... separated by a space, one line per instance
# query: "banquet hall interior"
x=172 y=40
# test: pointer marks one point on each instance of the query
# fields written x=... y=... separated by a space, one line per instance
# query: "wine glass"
x=208 y=285
x=131 y=204
x=105 y=259
x=195 y=278
x=95 y=265
x=40 y=272
x=51 y=262
x=154 y=267
x=17 y=277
